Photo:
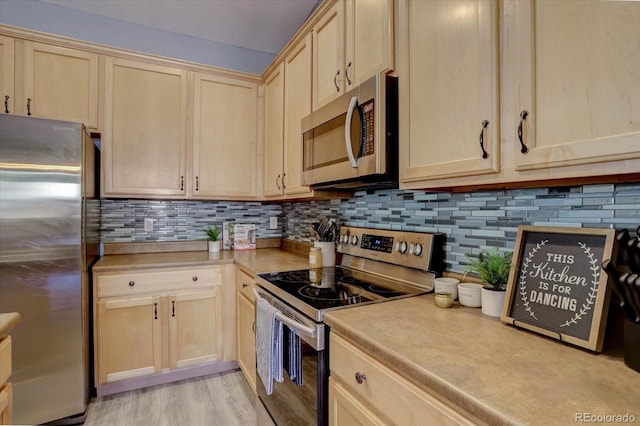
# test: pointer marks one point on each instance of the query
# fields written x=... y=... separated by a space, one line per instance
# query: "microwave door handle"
x=355 y=162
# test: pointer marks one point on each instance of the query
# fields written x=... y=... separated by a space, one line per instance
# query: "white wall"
x=54 y=19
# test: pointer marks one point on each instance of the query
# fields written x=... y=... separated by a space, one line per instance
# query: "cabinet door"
x=449 y=93
x=328 y=51
x=129 y=338
x=6 y=74
x=297 y=105
x=224 y=137
x=60 y=83
x=144 y=129
x=195 y=328
x=369 y=40
x=274 y=138
x=578 y=79
x=346 y=410
x=246 y=338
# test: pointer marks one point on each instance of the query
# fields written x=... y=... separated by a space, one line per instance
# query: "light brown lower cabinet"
x=6 y=390
x=246 y=323
x=157 y=321
x=363 y=391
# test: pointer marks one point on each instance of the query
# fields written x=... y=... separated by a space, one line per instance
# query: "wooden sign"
x=557 y=286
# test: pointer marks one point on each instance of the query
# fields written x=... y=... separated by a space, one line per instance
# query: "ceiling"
x=262 y=25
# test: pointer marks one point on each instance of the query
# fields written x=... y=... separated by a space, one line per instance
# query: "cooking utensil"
x=633 y=254
x=635 y=295
x=622 y=239
x=629 y=294
x=616 y=286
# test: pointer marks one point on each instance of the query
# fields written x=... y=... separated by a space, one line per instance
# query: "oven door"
x=290 y=404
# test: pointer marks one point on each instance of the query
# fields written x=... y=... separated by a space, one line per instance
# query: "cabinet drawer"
x=394 y=397
x=157 y=281
x=5 y=359
x=244 y=284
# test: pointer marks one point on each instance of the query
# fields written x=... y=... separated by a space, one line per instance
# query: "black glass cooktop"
x=329 y=288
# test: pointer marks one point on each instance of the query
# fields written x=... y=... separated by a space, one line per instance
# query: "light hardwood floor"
x=219 y=399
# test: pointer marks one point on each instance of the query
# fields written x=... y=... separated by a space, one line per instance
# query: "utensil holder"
x=632 y=345
x=328 y=249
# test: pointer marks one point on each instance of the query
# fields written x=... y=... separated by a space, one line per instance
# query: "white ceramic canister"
x=328 y=252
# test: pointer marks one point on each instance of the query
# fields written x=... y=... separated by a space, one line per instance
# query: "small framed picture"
x=557 y=286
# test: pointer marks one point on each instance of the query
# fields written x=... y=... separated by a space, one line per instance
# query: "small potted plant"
x=494 y=268
x=213 y=233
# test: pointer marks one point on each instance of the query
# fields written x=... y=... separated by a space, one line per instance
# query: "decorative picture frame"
x=557 y=286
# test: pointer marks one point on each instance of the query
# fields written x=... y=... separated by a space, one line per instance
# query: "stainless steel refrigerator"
x=48 y=241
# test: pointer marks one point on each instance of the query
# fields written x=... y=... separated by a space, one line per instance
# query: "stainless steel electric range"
x=376 y=266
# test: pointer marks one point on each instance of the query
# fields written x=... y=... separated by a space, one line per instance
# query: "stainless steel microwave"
x=352 y=142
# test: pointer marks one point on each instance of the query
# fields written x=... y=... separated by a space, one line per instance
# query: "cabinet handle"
x=28 y=106
x=197 y=183
x=335 y=81
x=346 y=73
x=244 y=285
x=277 y=183
x=523 y=116
x=181 y=183
x=6 y=104
x=195 y=278
x=253 y=327
x=360 y=377
x=155 y=311
x=283 y=185
x=132 y=283
x=485 y=154
x=173 y=308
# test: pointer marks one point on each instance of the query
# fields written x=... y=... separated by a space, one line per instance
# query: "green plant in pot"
x=214 y=233
x=494 y=268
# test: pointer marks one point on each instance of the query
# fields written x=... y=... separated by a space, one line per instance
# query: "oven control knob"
x=417 y=250
x=401 y=247
x=344 y=238
x=354 y=240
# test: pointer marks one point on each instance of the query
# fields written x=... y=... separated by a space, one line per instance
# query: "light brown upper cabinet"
x=6 y=74
x=556 y=81
x=48 y=81
x=578 y=76
x=352 y=41
x=274 y=133
x=143 y=140
x=224 y=137
x=287 y=100
x=297 y=105
x=449 y=89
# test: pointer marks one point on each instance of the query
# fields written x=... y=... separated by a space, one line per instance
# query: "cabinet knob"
x=195 y=278
x=360 y=377
x=132 y=283
x=523 y=116
x=244 y=285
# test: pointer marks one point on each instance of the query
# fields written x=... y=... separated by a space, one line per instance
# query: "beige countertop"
x=496 y=372
x=256 y=261
x=7 y=322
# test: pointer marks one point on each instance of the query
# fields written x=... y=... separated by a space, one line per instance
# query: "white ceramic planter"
x=492 y=302
x=214 y=246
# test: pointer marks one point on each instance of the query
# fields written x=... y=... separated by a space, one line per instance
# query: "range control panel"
x=418 y=250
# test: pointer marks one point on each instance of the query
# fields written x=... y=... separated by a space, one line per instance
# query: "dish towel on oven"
x=294 y=366
x=268 y=344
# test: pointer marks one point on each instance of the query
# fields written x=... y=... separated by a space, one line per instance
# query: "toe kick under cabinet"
x=151 y=325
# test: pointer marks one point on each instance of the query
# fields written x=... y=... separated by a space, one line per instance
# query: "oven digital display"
x=377 y=243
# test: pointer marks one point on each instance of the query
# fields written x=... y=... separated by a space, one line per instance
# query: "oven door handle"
x=309 y=331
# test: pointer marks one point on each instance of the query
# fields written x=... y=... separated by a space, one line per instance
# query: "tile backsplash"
x=471 y=221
